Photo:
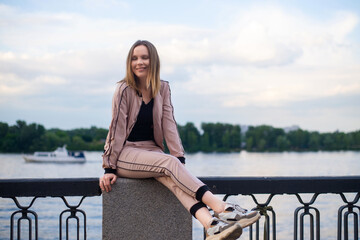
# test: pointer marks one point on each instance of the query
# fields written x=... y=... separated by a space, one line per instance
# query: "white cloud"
x=249 y=86
x=263 y=56
x=303 y=59
x=13 y=88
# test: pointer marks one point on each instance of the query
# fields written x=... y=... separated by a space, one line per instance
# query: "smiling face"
x=140 y=62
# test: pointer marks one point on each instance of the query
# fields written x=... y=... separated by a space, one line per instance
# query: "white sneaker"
x=221 y=230
x=234 y=213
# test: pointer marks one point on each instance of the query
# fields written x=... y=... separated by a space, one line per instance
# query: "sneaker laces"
x=236 y=207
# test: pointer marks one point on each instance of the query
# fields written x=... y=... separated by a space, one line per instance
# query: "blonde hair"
x=153 y=77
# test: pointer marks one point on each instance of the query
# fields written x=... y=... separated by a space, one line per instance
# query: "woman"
x=142 y=116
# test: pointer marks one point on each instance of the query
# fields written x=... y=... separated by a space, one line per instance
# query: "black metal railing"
x=294 y=186
x=228 y=186
x=39 y=188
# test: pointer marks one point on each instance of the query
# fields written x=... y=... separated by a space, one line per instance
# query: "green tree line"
x=267 y=138
x=34 y=137
x=212 y=137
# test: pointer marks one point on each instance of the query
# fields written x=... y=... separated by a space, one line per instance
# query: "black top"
x=144 y=128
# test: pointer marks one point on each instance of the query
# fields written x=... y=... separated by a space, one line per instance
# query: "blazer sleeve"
x=117 y=130
x=169 y=125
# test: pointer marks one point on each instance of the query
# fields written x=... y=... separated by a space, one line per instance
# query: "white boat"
x=60 y=155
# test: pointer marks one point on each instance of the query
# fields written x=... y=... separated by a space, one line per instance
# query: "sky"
x=279 y=63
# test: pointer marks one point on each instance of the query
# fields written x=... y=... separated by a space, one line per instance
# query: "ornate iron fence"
x=294 y=186
x=39 y=188
x=87 y=187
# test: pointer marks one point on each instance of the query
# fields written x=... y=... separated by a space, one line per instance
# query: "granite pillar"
x=144 y=209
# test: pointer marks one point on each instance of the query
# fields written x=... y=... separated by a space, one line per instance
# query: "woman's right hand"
x=106 y=181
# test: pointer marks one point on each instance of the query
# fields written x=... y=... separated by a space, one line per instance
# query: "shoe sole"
x=232 y=233
x=245 y=222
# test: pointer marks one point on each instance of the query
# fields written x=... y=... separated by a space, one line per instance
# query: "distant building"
x=292 y=128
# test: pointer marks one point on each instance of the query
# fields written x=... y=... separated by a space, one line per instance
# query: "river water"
x=342 y=163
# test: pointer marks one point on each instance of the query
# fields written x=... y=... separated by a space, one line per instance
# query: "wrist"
x=110 y=170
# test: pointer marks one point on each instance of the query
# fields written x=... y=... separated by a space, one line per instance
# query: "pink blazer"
x=125 y=109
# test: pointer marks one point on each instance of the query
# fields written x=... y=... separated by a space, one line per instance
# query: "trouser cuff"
x=196 y=207
x=201 y=191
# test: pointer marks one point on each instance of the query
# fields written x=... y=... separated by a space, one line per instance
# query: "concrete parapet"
x=144 y=209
